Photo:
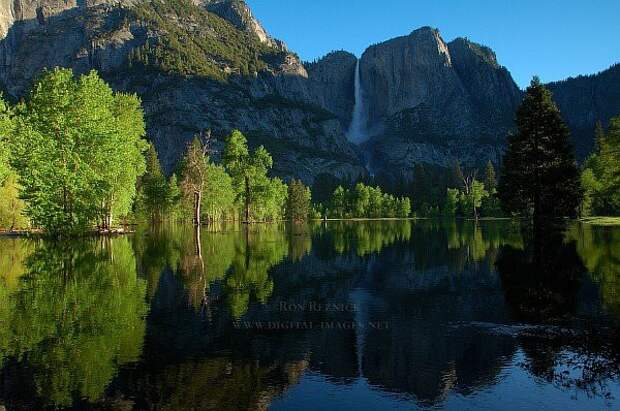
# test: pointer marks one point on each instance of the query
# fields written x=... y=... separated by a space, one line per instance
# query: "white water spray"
x=357 y=129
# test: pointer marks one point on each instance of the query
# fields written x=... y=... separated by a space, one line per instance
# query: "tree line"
x=73 y=157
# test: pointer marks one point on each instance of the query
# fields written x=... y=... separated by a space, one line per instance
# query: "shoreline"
x=596 y=221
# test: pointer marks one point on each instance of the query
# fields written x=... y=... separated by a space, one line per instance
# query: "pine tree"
x=539 y=176
x=153 y=187
x=490 y=181
x=298 y=204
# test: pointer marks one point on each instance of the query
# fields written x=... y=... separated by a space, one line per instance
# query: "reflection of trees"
x=75 y=316
x=599 y=247
x=367 y=237
x=256 y=253
x=541 y=281
x=212 y=383
x=541 y=284
x=237 y=257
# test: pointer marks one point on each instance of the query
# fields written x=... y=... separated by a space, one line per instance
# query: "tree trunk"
x=197 y=201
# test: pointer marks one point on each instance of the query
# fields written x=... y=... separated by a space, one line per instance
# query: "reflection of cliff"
x=421 y=281
x=74 y=316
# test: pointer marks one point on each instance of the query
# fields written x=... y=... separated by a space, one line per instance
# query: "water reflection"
x=71 y=318
x=542 y=284
x=234 y=317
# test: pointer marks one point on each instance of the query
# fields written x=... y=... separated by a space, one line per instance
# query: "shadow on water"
x=236 y=317
x=565 y=344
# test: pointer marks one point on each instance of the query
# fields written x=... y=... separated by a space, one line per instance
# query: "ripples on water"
x=364 y=315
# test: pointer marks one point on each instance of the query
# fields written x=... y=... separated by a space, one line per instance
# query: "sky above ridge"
x=553 y=39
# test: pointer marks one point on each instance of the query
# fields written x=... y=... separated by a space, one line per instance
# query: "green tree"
x=173 y=197
x=451 y=203
x=539 y=175
x=260 y=196
x=6 y=128
x=339 y=202
x=403 y=209
x=125 y=147
x=471 y=196
x=601 y=174
x=153 y=187
x=361 y=203
x=490 y=181
x=77 y=149
x=194 y=176
x=298 y=204
x=219 y=195
x=11 y=206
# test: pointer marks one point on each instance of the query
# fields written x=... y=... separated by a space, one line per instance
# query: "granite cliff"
x=435 y=102
x=209 y=64
x=196 y=67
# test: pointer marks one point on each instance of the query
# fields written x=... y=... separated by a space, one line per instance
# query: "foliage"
x=367 y=202
x=193 y=176
x=75 y=313
x=153 y=187
x=471 y=196
x=452 y=202
x=298 y=205
x=261 y=197
x=193 y=41
x=601 y=174
x=6 y=127
x=219 y=197
x=77 y=150
x=11 y=206
x=539 y=175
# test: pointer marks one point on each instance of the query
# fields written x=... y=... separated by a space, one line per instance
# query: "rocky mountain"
x=434 y=102
x=584 y=101
x=196 y=66
x=209 y=64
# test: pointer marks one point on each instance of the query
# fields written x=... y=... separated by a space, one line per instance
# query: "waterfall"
x=357 y=132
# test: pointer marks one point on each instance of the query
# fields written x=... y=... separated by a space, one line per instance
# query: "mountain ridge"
x=209 y=64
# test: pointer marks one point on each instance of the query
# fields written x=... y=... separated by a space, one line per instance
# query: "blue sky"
x=550 y=38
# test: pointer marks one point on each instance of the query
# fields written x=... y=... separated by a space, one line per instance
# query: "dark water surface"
x=345 y=316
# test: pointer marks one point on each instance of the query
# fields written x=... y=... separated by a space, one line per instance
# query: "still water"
x=340 y=316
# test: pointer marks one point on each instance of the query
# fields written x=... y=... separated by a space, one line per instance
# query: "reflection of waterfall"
x=357 y=132
x=360 y=298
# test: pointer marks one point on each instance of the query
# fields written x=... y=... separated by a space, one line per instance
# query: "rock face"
x=586 y=100
x=425 y=100
x=433 y=102
x=278 y=106
x=239 y=14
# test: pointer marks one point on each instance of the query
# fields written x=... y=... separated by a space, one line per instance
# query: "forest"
x=75 y=158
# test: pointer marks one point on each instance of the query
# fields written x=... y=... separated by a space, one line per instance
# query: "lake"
x=393 y=315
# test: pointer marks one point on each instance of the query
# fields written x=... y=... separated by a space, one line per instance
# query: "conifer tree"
x=539 y=176
x=298 y=205
x=154 y=188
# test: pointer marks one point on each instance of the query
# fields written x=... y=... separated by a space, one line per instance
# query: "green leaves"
x=78 y=151
x=601 y=174
x=262 y=198
x=367 y=202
